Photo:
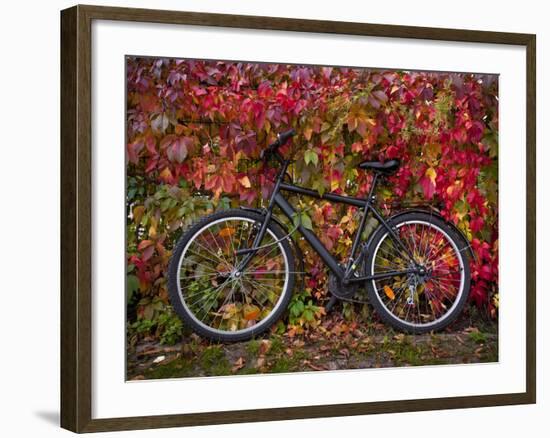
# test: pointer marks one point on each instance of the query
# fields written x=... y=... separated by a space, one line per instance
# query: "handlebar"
x=282 y=138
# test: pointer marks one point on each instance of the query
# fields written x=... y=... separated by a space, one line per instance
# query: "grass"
x=174 y=369
x=478 y=337
x=253 y=347
x=214 y=362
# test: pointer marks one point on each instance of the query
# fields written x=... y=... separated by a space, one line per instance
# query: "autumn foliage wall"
x=195 y=130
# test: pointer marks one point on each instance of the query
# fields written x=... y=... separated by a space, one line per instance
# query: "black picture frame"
x=76 y=217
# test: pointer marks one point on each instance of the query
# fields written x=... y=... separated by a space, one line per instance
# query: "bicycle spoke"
x=249 y=293
x=264 y=256
x=202 y=264
x=218 y=245
x=262 y=288
x=446 y=289
x=213 y=253
x=188 y=277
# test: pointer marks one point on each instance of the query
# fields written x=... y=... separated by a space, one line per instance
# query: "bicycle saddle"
x=386 y=167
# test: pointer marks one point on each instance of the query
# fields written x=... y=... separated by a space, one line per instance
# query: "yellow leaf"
x=352 y=123
x=138 y=213
x=179 y=129
x=229 y=310
x=153 y=228
x=166 y=175
x=325 y=126
x=389 y=292
x=431 y=174
x=307 y=133
x=245 y=182
x=238 y=155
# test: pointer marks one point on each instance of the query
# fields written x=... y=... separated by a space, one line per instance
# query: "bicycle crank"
x=340 y=291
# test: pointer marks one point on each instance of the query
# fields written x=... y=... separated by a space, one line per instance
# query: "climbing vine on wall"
x=195 y=130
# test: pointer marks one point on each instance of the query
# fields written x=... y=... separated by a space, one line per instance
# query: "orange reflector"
x=389 y=292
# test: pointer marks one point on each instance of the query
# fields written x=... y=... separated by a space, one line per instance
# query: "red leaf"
x=133 y=151
x=475 y=131
x=145 y=244
x=427 y=186
x=148 y=253
x=392 y=152
x=476 y=224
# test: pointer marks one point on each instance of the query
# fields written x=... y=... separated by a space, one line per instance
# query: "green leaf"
x=132 y=285
x=131 y=193
x=310 y=156
x=302 y=218
x=308 y=315
x=320 y=186
x=306 y=221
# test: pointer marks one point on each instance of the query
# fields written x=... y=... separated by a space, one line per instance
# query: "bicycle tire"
x=386 y=315
x=178 y=301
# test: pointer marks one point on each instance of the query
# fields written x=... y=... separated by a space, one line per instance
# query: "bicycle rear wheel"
x=412 y=302
x=208 y=291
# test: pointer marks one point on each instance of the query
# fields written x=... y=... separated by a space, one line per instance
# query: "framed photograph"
x=269 y=218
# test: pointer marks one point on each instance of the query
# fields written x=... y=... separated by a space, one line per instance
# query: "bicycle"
x=232 y=273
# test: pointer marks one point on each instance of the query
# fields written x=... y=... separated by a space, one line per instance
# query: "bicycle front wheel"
x=426 y=301
x=211 y=294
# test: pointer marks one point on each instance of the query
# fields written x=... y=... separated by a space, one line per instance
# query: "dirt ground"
x=334 y=346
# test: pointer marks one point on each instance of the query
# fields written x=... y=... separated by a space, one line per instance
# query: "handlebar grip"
x=283 y=137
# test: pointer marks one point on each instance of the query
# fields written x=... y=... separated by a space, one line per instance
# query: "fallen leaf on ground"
x=471 y=330
x=344 y=352
x=265 y=346
x=159 y=359
x=313 y=366
x=460 y=340
x=239 y=363
x=399 y=337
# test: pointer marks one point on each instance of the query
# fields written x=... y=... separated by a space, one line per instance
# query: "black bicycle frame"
x=345 y=274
